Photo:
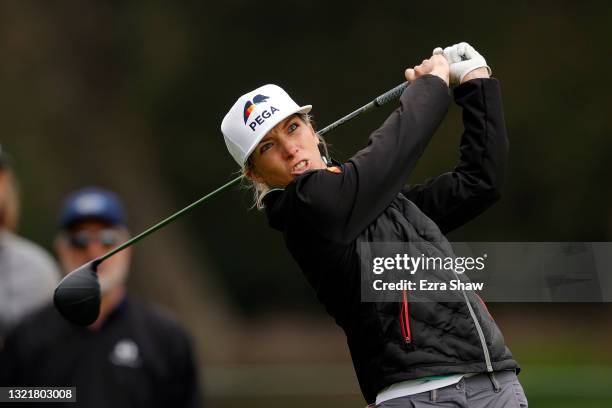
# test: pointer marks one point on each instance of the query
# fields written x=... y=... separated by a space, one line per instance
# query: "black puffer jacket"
x=326 y=216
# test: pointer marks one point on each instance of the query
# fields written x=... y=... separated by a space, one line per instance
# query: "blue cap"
x=92 y=203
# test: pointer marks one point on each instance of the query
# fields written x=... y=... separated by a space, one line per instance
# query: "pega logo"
x=250 y=106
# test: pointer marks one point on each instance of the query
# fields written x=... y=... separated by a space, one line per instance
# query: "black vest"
x=446 y=337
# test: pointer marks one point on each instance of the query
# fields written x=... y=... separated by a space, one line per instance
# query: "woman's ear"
x=252 y=174
x=324 y=153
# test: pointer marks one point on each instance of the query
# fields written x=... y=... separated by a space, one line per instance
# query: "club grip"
x=390 y=95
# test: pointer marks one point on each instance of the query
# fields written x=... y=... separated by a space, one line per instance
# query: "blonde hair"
x=260 y=189
x=9 y=200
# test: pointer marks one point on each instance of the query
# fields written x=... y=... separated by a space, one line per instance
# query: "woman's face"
x=288 y=150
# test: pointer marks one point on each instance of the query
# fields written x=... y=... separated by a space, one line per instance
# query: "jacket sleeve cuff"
x=462 y=91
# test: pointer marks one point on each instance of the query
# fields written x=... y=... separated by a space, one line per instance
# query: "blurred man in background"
x=133 y=355
x=28 y=274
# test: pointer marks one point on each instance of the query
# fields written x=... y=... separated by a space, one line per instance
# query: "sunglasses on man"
x=106 y=238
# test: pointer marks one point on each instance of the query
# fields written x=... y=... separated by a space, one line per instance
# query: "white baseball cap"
x=253 y=115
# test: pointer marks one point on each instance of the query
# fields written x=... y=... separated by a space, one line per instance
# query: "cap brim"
x=70 y=222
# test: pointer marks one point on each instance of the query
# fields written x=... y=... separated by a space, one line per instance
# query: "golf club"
x=77 y=296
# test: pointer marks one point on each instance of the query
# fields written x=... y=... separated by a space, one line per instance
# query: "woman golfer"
x=430 y=353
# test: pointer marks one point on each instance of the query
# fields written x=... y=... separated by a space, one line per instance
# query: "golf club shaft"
x=388 y=96
x=168 y=220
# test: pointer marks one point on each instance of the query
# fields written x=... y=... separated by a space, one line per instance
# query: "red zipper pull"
x=405 y=318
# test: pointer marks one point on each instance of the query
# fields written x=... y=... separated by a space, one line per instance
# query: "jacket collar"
x=276 y=202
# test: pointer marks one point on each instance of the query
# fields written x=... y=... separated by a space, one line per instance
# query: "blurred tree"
x=131 y=95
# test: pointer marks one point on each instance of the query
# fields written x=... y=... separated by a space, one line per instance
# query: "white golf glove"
x=463 y=59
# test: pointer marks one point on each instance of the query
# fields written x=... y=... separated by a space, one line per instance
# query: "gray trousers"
x=496 y=390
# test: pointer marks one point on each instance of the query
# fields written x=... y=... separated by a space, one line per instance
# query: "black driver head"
x=77 y=296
